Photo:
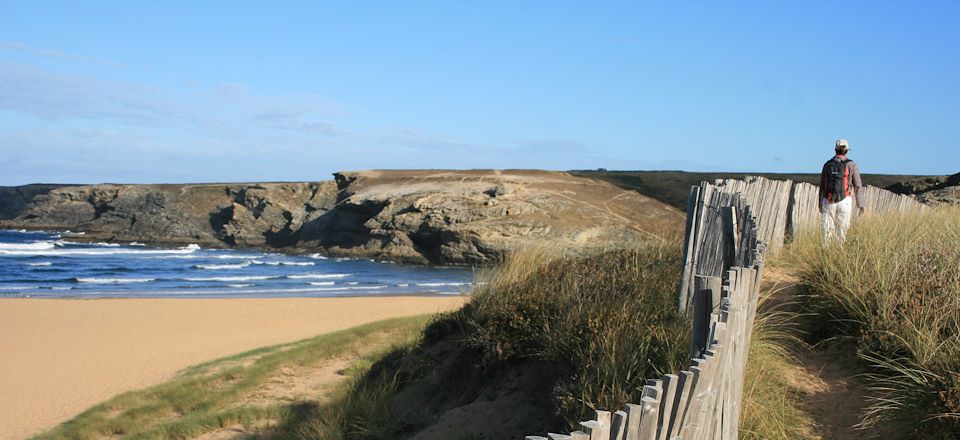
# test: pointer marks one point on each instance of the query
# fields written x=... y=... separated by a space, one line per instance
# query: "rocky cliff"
x=445 y=217
x=937 y=190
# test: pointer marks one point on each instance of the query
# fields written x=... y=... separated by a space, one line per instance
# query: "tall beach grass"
x=607 y=321
x=771 y=404
x=894 y=288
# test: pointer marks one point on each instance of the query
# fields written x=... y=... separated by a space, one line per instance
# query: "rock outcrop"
x=443 y=217
x=247 y=215
x=931 y=190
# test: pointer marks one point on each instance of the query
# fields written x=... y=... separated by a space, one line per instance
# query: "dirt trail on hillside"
x=825 y=375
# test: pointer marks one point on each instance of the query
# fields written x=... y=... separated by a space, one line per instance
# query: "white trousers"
x=836 y=219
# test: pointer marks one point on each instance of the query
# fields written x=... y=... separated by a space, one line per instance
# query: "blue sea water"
x=49 y=264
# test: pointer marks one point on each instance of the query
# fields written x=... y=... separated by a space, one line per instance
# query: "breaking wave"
x=284 y=263
x=236 y=278
x=113 y=280
x=318 y=276
x=222 y=266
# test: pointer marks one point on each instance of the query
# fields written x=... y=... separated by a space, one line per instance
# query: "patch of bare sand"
x=237 y=432
x=292 y=383
x=306 y=383
x=59 y=357
x=826 y=375
x=833 y=395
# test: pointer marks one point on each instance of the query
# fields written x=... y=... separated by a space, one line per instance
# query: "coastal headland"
x=415 y=216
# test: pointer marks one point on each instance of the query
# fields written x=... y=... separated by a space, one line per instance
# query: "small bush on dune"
x=894 y=287
x=607 y=321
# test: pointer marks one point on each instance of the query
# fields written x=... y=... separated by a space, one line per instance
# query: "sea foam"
x=236 y=278
x=318 y=276
x=35 y=246
x=114 y=280
x=222 y=266
x=284 y=263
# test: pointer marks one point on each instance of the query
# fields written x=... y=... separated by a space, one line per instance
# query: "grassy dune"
x=894 y=289
x=595 y=328
x=218 y=394
x=581 y=333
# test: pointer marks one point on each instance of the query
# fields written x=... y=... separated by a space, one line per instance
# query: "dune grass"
x=894 y=288
x=209 y=396
x=604 y=323
x=607 y=320
x=771 y=404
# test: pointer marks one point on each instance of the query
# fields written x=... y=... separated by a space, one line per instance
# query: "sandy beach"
x=59 y=357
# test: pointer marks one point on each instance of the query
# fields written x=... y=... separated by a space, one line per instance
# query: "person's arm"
x=857 y=186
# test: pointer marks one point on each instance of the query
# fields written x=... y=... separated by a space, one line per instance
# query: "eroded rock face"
x=932 y=190
x=445 y=217
x=249 y=215
x=471 y=217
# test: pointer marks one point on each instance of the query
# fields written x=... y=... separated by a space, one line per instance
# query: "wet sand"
x=59 y=357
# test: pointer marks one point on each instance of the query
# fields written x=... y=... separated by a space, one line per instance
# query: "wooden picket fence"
x=723 y=263
x=789 y=208
x=724 y=247
x=805 y=216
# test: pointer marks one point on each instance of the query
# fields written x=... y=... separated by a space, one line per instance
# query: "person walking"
x=839 y=180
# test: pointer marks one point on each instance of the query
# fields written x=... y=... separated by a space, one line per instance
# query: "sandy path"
x=826 y=375
x=59 y=357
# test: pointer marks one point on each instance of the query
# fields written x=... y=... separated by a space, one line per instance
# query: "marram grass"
x=894 y=287
x=607 y=320
x=771 y=404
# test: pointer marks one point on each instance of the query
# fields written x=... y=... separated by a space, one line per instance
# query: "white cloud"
x=223 y=111
x=55 y=54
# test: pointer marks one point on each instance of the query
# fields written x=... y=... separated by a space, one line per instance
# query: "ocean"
x=50 y=265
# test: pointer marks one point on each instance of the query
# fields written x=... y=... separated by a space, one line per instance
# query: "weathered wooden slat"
x=618 y=426
x=603 y=430
x=634 y=416
x=648 y=424
x=688 y=249
x=592 y=428
x=670 y=382
x=705 y=427
x=679 y=402
x=706 y=298
x=691 y=416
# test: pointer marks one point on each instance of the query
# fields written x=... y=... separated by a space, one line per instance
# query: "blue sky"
x=245 y=91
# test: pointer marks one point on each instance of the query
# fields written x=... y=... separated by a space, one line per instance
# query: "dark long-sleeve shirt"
x=856 y=183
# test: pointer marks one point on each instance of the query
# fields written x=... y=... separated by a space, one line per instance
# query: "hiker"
x=839 y=180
